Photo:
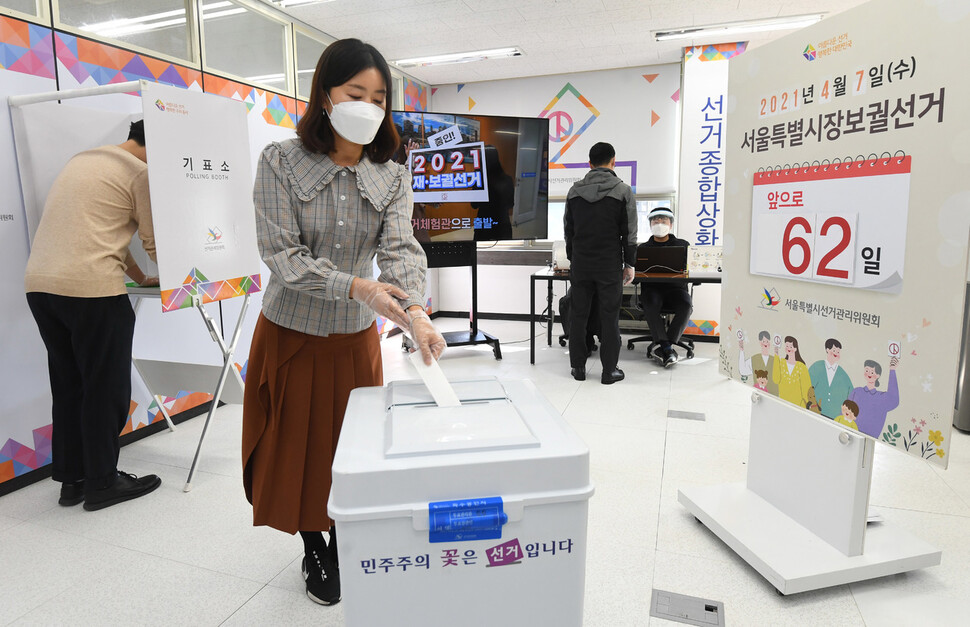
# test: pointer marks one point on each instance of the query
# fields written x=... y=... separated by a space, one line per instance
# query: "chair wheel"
x=562 y=341
x=690 y=354
x=629 y=346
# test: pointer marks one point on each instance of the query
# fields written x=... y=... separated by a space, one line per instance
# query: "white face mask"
x=660 y=229
x=355 y=120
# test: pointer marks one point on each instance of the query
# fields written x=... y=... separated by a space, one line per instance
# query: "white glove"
x=627 y=275
x=425 y=336
x=382 y=298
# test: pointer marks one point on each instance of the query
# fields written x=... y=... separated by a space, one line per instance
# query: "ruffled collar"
x=310 y=172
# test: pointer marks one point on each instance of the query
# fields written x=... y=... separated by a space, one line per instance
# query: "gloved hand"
x=627 y=275
x=425 y=336
x=382 y=298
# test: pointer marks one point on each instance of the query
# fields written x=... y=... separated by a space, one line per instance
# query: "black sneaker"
x=125 y=488
x=332 y=548
x=669 y=358
x=71 y=493
x=322 y=578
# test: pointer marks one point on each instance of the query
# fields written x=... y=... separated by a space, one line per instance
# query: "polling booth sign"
x=201 y=178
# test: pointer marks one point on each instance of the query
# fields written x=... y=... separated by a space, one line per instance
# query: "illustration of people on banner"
x=824 y=387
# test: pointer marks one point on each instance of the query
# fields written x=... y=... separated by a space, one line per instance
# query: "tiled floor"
x=177 y=558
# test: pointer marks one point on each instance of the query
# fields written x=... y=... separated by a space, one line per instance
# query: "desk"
x=549 y=275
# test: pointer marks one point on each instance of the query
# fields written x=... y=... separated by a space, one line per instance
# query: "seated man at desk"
x=657 y=297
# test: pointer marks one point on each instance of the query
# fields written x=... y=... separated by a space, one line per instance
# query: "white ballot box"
x=470 y=515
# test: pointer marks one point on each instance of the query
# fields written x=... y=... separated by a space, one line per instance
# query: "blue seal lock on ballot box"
x=466 y=520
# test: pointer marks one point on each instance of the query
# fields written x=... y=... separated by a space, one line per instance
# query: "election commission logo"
x=214 y=235
x=809 y=53
x=769 y=299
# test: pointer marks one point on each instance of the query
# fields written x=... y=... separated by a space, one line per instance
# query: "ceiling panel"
x=557 y=36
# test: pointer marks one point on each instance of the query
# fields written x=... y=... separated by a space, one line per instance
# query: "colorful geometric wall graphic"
x=715 y=52
x=675 y=96
x=561 y=124
x=471 y=104
x=654 y=118
x=702 y=327
x=17 y=458
x=196 y=284
x=415 y=96
x=275 y=109
x=650 y=77
x=90 y=61
x=173 y=405
x=26 y=48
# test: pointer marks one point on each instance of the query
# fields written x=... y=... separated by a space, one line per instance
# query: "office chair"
x=592 y=329
x=684 y=343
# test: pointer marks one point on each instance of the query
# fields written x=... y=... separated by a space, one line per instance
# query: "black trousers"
x=654 y=300
x=88 y=344
x=607 y=288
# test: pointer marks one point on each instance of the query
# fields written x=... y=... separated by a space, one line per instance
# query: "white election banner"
x=845 y=262
x=201 y=186
x=702 y=150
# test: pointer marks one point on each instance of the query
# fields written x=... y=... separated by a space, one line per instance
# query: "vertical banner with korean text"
x=845 y=254
x=700 y=201
x=201 y=183
x=702 y=146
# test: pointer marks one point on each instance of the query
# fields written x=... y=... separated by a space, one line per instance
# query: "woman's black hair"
x=341 y=61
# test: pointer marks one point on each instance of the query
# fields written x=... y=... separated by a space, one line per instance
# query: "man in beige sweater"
x=75 y=283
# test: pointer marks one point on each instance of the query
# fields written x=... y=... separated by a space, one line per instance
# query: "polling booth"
x=844 y=272
x=200 y=175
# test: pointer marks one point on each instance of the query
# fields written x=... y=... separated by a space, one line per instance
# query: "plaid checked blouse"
x=320 y=225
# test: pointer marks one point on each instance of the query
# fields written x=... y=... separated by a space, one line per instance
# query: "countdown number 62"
x=793 y=238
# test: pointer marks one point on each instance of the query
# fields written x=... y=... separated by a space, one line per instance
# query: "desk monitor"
x=661 y=259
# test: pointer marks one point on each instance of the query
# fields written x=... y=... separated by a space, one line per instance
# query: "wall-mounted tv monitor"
x=476 y=177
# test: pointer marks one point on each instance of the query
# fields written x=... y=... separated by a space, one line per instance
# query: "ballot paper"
x=441 y=391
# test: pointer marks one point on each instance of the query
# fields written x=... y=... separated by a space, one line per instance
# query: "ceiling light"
x=157 y=21
x=460 y=57
x=722 y=33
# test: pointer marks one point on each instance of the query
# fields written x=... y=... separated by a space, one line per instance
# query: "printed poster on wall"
x=201 y=184
x=845 y=258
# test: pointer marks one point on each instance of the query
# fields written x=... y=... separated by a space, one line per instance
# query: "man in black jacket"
x=600 y=225
x=655 y=297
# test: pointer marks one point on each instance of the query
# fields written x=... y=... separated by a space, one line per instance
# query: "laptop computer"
x=661 y=259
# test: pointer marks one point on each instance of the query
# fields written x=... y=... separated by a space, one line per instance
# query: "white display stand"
x=800 y=520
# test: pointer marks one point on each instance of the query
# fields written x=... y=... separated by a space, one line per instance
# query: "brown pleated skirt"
x=297 y=387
